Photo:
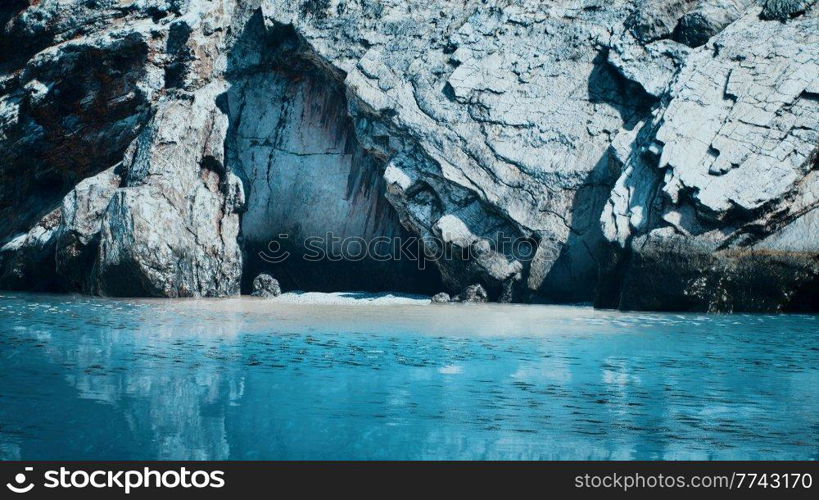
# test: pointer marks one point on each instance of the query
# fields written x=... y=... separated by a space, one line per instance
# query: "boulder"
x=707 y=19
x=782 y=10
x=473 y=294
x=265 y=285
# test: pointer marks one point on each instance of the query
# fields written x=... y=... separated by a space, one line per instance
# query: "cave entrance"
x=317 y=218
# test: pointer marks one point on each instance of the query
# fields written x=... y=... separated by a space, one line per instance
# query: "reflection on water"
x=84 y=378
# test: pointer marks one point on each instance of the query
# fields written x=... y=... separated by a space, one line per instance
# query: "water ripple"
x=86 y=378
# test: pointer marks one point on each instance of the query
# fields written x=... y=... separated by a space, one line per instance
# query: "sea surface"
x=90 y=378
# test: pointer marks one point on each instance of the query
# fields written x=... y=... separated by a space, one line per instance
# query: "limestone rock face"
x=78 y=235
x=26 y=260
x=72 y=97
x=314 y=193
x=564 y=150
x=715 y=179
x=172 y=229
x=138 y=97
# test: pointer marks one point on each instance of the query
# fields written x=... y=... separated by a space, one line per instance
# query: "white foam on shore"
x=346 y=298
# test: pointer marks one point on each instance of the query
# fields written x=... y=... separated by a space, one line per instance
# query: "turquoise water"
x=84 y=378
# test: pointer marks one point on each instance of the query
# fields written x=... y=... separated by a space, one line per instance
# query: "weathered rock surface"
x=565 y=149
x=72 y=97
x=265 y=285
x=312 y=188
x=172 y=229
x=78 y=235
x=27 y=259
x=715 y=177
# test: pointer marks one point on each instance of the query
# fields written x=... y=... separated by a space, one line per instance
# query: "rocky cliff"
x=654 y=154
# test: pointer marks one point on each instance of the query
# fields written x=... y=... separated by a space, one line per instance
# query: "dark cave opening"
x=317 y=218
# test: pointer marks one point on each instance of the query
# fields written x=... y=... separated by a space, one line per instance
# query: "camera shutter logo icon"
x=20 y=479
